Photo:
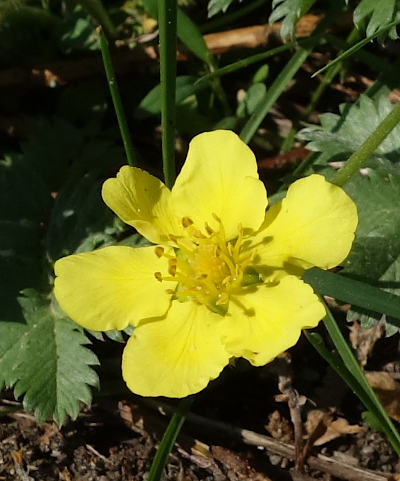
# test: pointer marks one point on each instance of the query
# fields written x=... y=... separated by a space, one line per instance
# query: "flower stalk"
x=356 y=160
x=116 y=98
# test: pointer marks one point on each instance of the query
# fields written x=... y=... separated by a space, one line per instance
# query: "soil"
x=116 y=438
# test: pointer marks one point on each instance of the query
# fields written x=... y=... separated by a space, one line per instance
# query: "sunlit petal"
x=112 y=287
x=177 y=355
x=267 y=320
x=220 y=177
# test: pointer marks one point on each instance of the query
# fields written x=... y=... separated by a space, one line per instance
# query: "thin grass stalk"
x=168 y=439
x=354 y=368
x=274 y=92
x=167 y=14
x=116 y=98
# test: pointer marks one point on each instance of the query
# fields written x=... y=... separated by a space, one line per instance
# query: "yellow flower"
x=223 y=280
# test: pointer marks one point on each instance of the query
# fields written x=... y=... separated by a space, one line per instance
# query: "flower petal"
x=176 y=355
x=267 y=320
x=112 y=287
x=220 y=177
x=142 y=201
x=313 y=225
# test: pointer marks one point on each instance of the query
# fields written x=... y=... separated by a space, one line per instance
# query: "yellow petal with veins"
x=220 y=177
x=112 y=287
x=313 y=225
x=144 y=202
x=267 y=320
x=176 y=355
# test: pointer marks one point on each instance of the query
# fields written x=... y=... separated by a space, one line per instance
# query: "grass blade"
x=367 y=396
x=116 y=98
x=356 y=47
x=371 y=400
x=354 y=292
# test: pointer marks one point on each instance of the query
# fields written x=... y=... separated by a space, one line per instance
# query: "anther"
x=172 y=268
x=186 y=222
x=208 y=229
x=159 y=251
x=158 y=276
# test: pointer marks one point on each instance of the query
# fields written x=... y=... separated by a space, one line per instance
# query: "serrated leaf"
x=23 y=194
x=341 y=135
x=51 y=149
x=24 y=206
x=217 y=6
x=80 y=220
x=289 y=11
x=45 y=359
x=379 y=14
x=375 y=255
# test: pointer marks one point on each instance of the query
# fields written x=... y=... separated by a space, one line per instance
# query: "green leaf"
x=75 y=32
x=379 y=14
x=289 y=11
x=352 y=291
x=151 y=103
x=24 y=205
x=341 y=135
x=23 y=194
x=217 y=6
x=254 y=95
x=80 y=220
x=46 y=361
x=51 y=149
x=375 y=255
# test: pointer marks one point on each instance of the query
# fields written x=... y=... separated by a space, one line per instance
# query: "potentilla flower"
x=223 y=278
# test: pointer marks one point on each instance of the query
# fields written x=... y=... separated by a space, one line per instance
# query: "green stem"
x=368 y=147
x=116 y=98
x=274 y=92
x=330 y=75
x=233 y=67
x=167 y=13
x=168 y=439
x=96 y=9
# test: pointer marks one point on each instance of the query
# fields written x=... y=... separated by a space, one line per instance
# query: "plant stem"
x=368 y=147
x=116 y=98
x=167 y=13
x=273 y=94
x=168 y=439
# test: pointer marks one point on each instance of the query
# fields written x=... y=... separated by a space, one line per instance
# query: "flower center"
x=207 y=267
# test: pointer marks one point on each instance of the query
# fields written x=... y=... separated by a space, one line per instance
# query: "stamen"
x=186 y=222
x=207 y=268
x=208 y=229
